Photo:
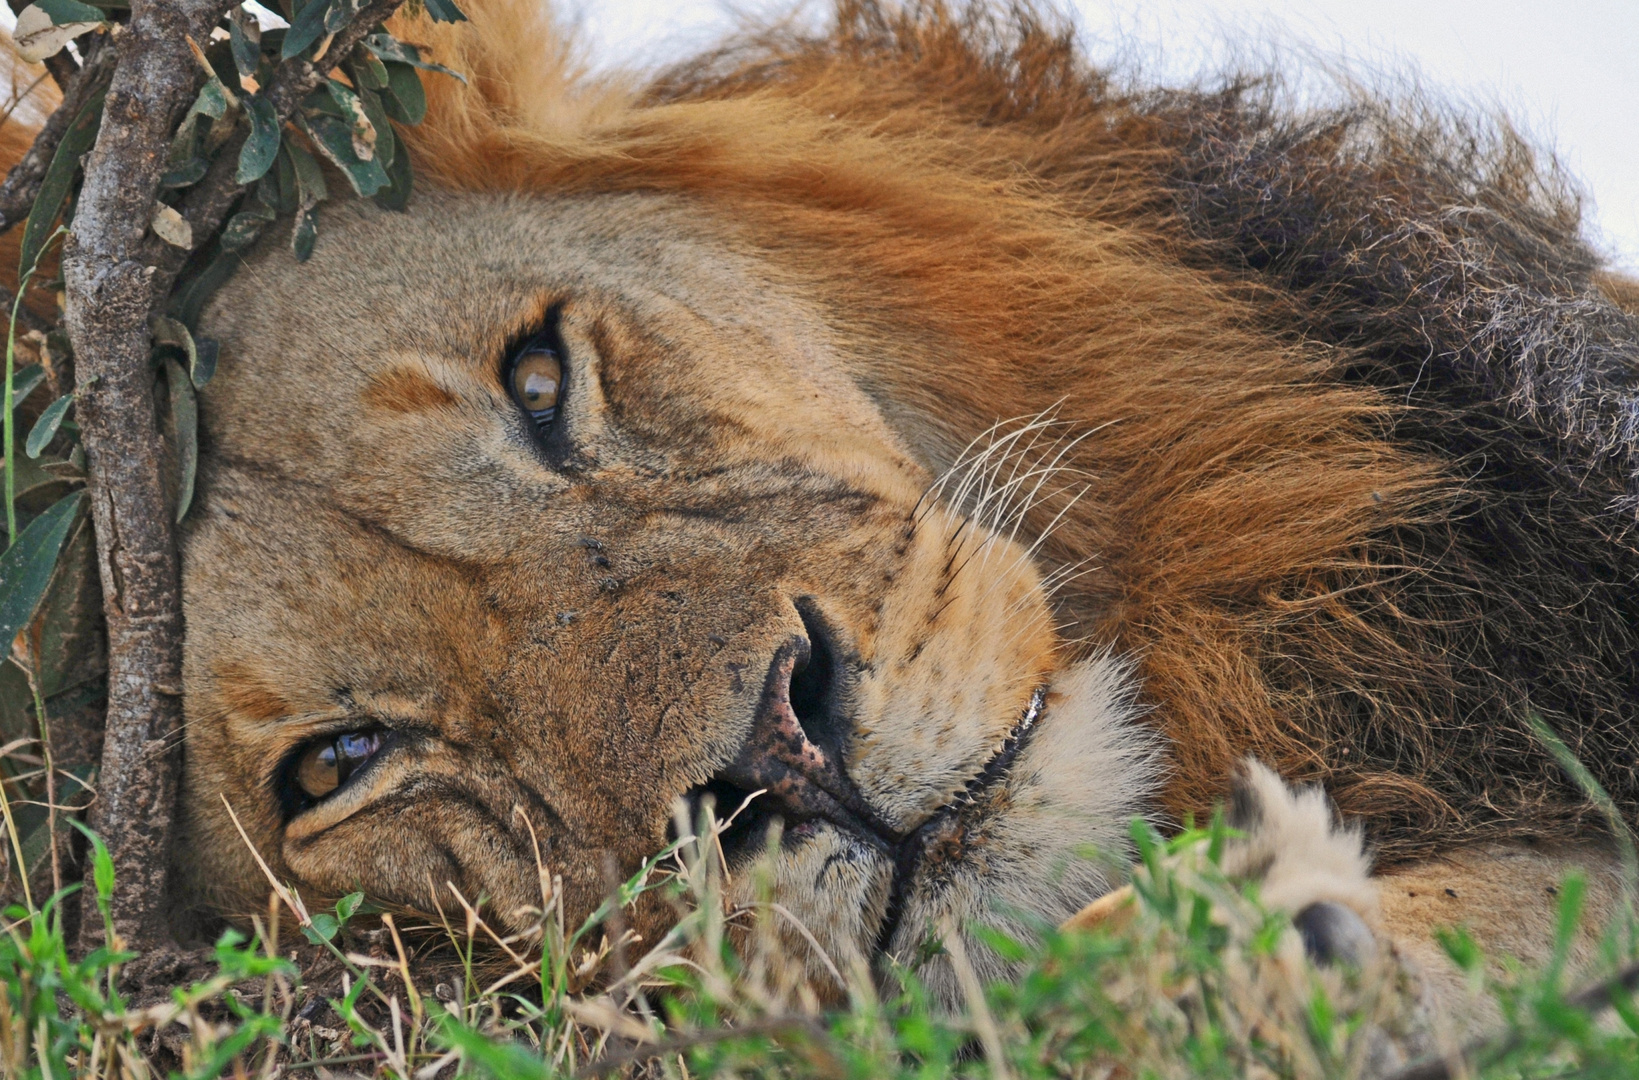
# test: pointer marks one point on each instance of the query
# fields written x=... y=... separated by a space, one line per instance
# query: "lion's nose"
x=799 y=779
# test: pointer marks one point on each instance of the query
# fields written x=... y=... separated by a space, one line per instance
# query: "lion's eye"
x=537 y=381
x=326 y=765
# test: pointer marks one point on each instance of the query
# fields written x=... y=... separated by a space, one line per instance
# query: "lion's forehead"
x=380 y=357
x=456 y=275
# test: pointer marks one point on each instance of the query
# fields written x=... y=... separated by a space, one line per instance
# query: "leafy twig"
x=209 y=202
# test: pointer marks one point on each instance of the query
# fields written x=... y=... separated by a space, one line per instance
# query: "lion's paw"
x=1306 y=863
x=1315 y=868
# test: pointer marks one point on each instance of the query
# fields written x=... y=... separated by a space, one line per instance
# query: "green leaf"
x=168 y=331
x=25 y=568
x=358 y=118
x=285 y=173
x=348 y=905
x=322 y=929
x=310 y=183
x=346 y=1006
x=303 y=234
x=211 y=101
x=306 y=28
x=185 y=419
x=70 y=674
x=335 y=140
x=189 y=298
x=340 y=14
x=369 y=73
x=204 y=360
x=443 y=11
x=46 y=427
x=187 y=165
x=102 y=864
x=389 y=48
x=310 y=190
x=243 y=228
x=31 y=476
x=396 y=196
x=34 y=822
x=262 y=147
x=23 y=382
x=79 y=137
x=201 y=353
x=320 y=101
x=63 y=12
x=190 y=172
x=405 y=99
x=245 y=37
x=16 y=705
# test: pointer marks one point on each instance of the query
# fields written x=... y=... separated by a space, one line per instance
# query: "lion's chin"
x=1045 y=833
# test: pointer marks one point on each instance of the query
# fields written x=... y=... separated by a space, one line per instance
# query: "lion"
x=916 y=440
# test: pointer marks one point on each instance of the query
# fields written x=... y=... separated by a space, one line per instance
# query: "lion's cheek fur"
x=1054 y=835
x=969 y=640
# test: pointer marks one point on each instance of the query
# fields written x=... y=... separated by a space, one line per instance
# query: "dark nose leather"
x=799 y=779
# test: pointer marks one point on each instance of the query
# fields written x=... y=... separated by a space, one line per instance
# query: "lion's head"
x=442 y=623
x=862 y=420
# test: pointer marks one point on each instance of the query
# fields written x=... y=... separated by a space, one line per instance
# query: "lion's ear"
x=526 y=91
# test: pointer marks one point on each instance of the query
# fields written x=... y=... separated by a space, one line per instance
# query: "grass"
x=1197 y=979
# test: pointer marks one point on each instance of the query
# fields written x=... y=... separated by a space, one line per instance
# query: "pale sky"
x=1566 y=71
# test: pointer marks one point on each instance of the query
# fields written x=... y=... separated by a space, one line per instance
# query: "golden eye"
x=326 y=764
x=537 y=379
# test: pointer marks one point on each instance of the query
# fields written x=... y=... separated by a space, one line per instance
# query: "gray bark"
x=110 y=292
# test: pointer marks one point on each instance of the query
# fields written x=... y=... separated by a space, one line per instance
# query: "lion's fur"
x=1362 y=488
x=1342 y=412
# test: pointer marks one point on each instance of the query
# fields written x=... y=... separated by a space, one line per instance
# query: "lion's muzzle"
x=785 y=772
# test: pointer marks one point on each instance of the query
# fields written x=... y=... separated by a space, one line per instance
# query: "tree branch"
x=110 y=292
x=116 y=275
